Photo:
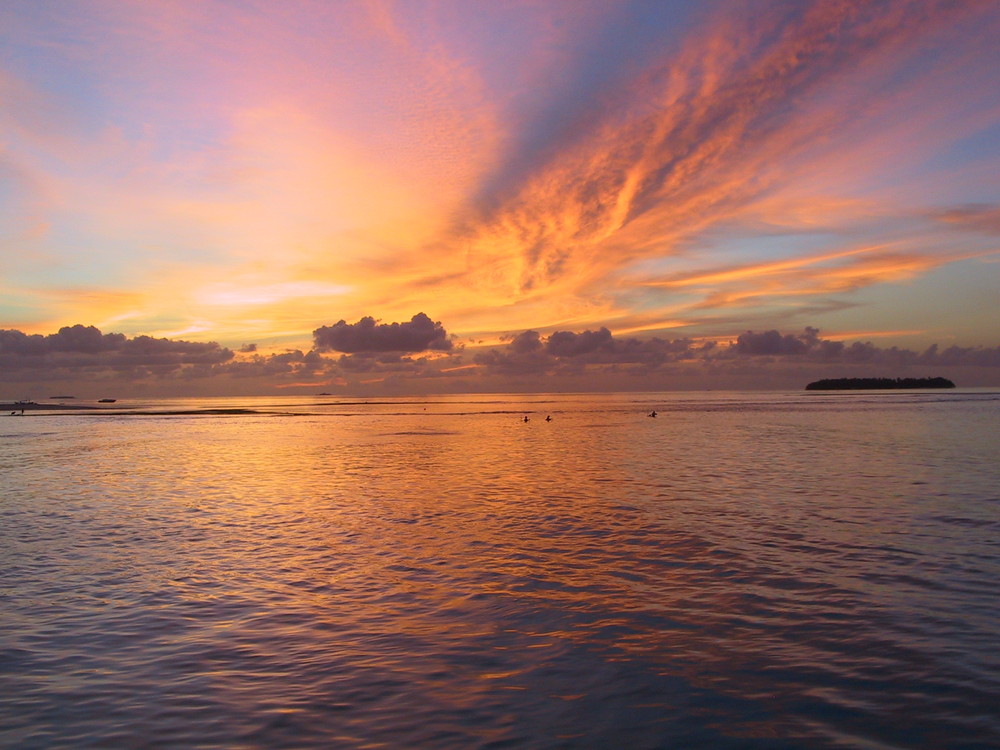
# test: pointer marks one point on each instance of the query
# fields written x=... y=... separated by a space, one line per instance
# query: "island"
x=872 y=384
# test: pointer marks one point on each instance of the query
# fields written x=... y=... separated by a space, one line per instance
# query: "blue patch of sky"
x=83 y=263
x=10 y=196
x=90 y=257
x=50 y=59
x=726 y=250
x=631 y=37
x=968 y=96
x=971 y=151
x=950 y=173
x=67 y=68
x=771 y=247
x=15 y=307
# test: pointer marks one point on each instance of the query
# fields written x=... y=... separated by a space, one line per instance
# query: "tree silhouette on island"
x=866 y=384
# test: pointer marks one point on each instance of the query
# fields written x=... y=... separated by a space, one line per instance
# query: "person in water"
x=652 y=413
x=525 y=417
x=548 y=418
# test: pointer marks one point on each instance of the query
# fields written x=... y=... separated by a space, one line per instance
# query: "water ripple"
x=755 y=577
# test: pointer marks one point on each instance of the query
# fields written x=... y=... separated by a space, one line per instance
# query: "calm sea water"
x=743 y=571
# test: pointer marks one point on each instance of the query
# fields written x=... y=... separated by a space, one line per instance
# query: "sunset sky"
x=265 y=196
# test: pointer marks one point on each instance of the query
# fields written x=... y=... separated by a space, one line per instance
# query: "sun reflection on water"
x=721 y=577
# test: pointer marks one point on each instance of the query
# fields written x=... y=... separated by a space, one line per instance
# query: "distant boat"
x=62 y=397
x=106 y=400
x=324 y=393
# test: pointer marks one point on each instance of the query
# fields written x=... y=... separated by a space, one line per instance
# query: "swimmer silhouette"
x=652 y=413
x=525 y=417
x=548 y=419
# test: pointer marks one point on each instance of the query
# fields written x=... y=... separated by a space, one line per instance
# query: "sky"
x=460 y=195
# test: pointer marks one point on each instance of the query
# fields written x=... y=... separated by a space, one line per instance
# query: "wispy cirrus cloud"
x=809 y=275
x=699 y=141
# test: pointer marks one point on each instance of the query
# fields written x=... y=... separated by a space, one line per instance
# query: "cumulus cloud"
x=569 y=344
x=313 y=365
x=368 y=335
x=292 y=363
x=86 y=353
x=524 y=354
x=808 y=345
x=83 y=353
x=772 y=342
x=78 y=338
x=567 y=352
x=526 y=342
x=78 y=347
x=975 y=356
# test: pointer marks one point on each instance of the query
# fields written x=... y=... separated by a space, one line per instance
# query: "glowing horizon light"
x=227 y=294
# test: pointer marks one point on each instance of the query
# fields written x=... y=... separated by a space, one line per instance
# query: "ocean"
x=744 y=570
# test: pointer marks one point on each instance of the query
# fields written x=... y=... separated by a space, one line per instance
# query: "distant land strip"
x=871 y=384
x=59 y=406
x=119 y=412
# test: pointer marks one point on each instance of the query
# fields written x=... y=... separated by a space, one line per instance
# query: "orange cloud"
x=776 y=268
x=691 y=145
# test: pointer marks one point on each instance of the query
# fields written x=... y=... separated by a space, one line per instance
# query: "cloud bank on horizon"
x=570 y=186
x=421 y=356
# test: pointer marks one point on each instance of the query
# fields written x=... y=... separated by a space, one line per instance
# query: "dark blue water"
x=743 y=571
